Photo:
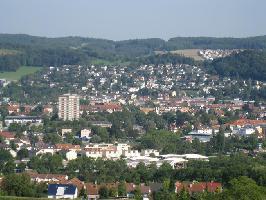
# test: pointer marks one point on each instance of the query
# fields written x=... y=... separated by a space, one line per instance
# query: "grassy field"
x=4 y=52
x=20 y=198
x=22 y=71
x=191 y=53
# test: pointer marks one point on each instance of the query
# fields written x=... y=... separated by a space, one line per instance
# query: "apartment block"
x=68 y=108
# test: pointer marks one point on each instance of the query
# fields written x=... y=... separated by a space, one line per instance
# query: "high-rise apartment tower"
x=68 y=107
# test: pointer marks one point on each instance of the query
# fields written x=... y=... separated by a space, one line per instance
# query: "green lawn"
x=22 y=71
x=20 y=198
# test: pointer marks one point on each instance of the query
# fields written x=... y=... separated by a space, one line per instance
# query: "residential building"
x=46 y=178
x=196 y=187
x=85 y=133
x=22 y=119
x=62 y=191
x=68 y=107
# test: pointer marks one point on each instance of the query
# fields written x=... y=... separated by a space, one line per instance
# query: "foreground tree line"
x=241 y=175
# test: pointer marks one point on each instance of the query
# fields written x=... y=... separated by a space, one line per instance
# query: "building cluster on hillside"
x=124 y=85
x=71 y=110
x=211 y=54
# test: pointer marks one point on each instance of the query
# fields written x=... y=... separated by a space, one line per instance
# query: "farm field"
x=191 y=53
x=22 y=71
x=4 y=52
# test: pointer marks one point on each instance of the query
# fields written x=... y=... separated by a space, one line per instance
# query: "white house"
x=62 y=191
x=22 y=120
x=148 y=152
x=71 y=155
x=130 y=153
x=85 y=133
x=94 y=154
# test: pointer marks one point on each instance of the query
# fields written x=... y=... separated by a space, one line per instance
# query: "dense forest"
x=247 y=64
x=17 y=50
x=216 y=43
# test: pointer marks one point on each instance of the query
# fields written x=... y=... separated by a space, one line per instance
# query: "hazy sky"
x=129 y=19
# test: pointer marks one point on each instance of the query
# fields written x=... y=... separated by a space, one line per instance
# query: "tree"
x=101 y=132
x=137 y=193
x=165 y=192
x=5 y=157
x=181 y=118
x=164 y=172
x=18 y=185
x=244 y=188
x=183 y=195
x=69 y=137
x=21 y=167
x=22 y=153
x=2 y=139
x=122 y=189
x=52 y=138
x=46 y=163
x=13 y=145
x=33 y=139
x=9 y=167
x=103 y=192
x=113 y=192
x=83 y=193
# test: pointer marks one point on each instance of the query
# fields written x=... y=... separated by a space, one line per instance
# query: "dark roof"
x=69 y=189
x=23 y=117
x=100 y=122
x=155 y=187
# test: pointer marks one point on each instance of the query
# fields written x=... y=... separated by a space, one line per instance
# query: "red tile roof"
x=74 y=181
x=92 y=189
x=131 y=187
x=243 y=122
x=59 y=177
x=7 y=135
x=67 y=146
x=102 y=107
x=198 y=186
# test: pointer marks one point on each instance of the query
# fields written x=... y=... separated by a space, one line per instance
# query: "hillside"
x=25 y=50
x=258 y=42
x=247 y=64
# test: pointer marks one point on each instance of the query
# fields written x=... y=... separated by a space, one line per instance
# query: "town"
x=154 y=115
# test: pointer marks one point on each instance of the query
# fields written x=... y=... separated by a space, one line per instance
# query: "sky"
x=131 y=19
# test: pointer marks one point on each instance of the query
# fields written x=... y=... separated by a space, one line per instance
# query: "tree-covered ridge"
x=247 y=64
x=43 y=51
x=258 y=42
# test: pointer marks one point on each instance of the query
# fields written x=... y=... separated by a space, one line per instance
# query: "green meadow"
x=22 y=71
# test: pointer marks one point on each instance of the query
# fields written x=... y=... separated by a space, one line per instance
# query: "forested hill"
x=247 y=64
x=140 y=45
x=18 y=49
x=258 y=42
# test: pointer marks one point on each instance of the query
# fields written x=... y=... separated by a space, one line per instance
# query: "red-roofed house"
x=246 y=122
x=47 y=177
x=67 y=147
x=92 y=191
x=196 y=187
x=8 y=136
x=13 y=108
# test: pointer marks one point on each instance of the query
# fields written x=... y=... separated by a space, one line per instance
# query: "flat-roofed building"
x=22 y=119
x=68 y=107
